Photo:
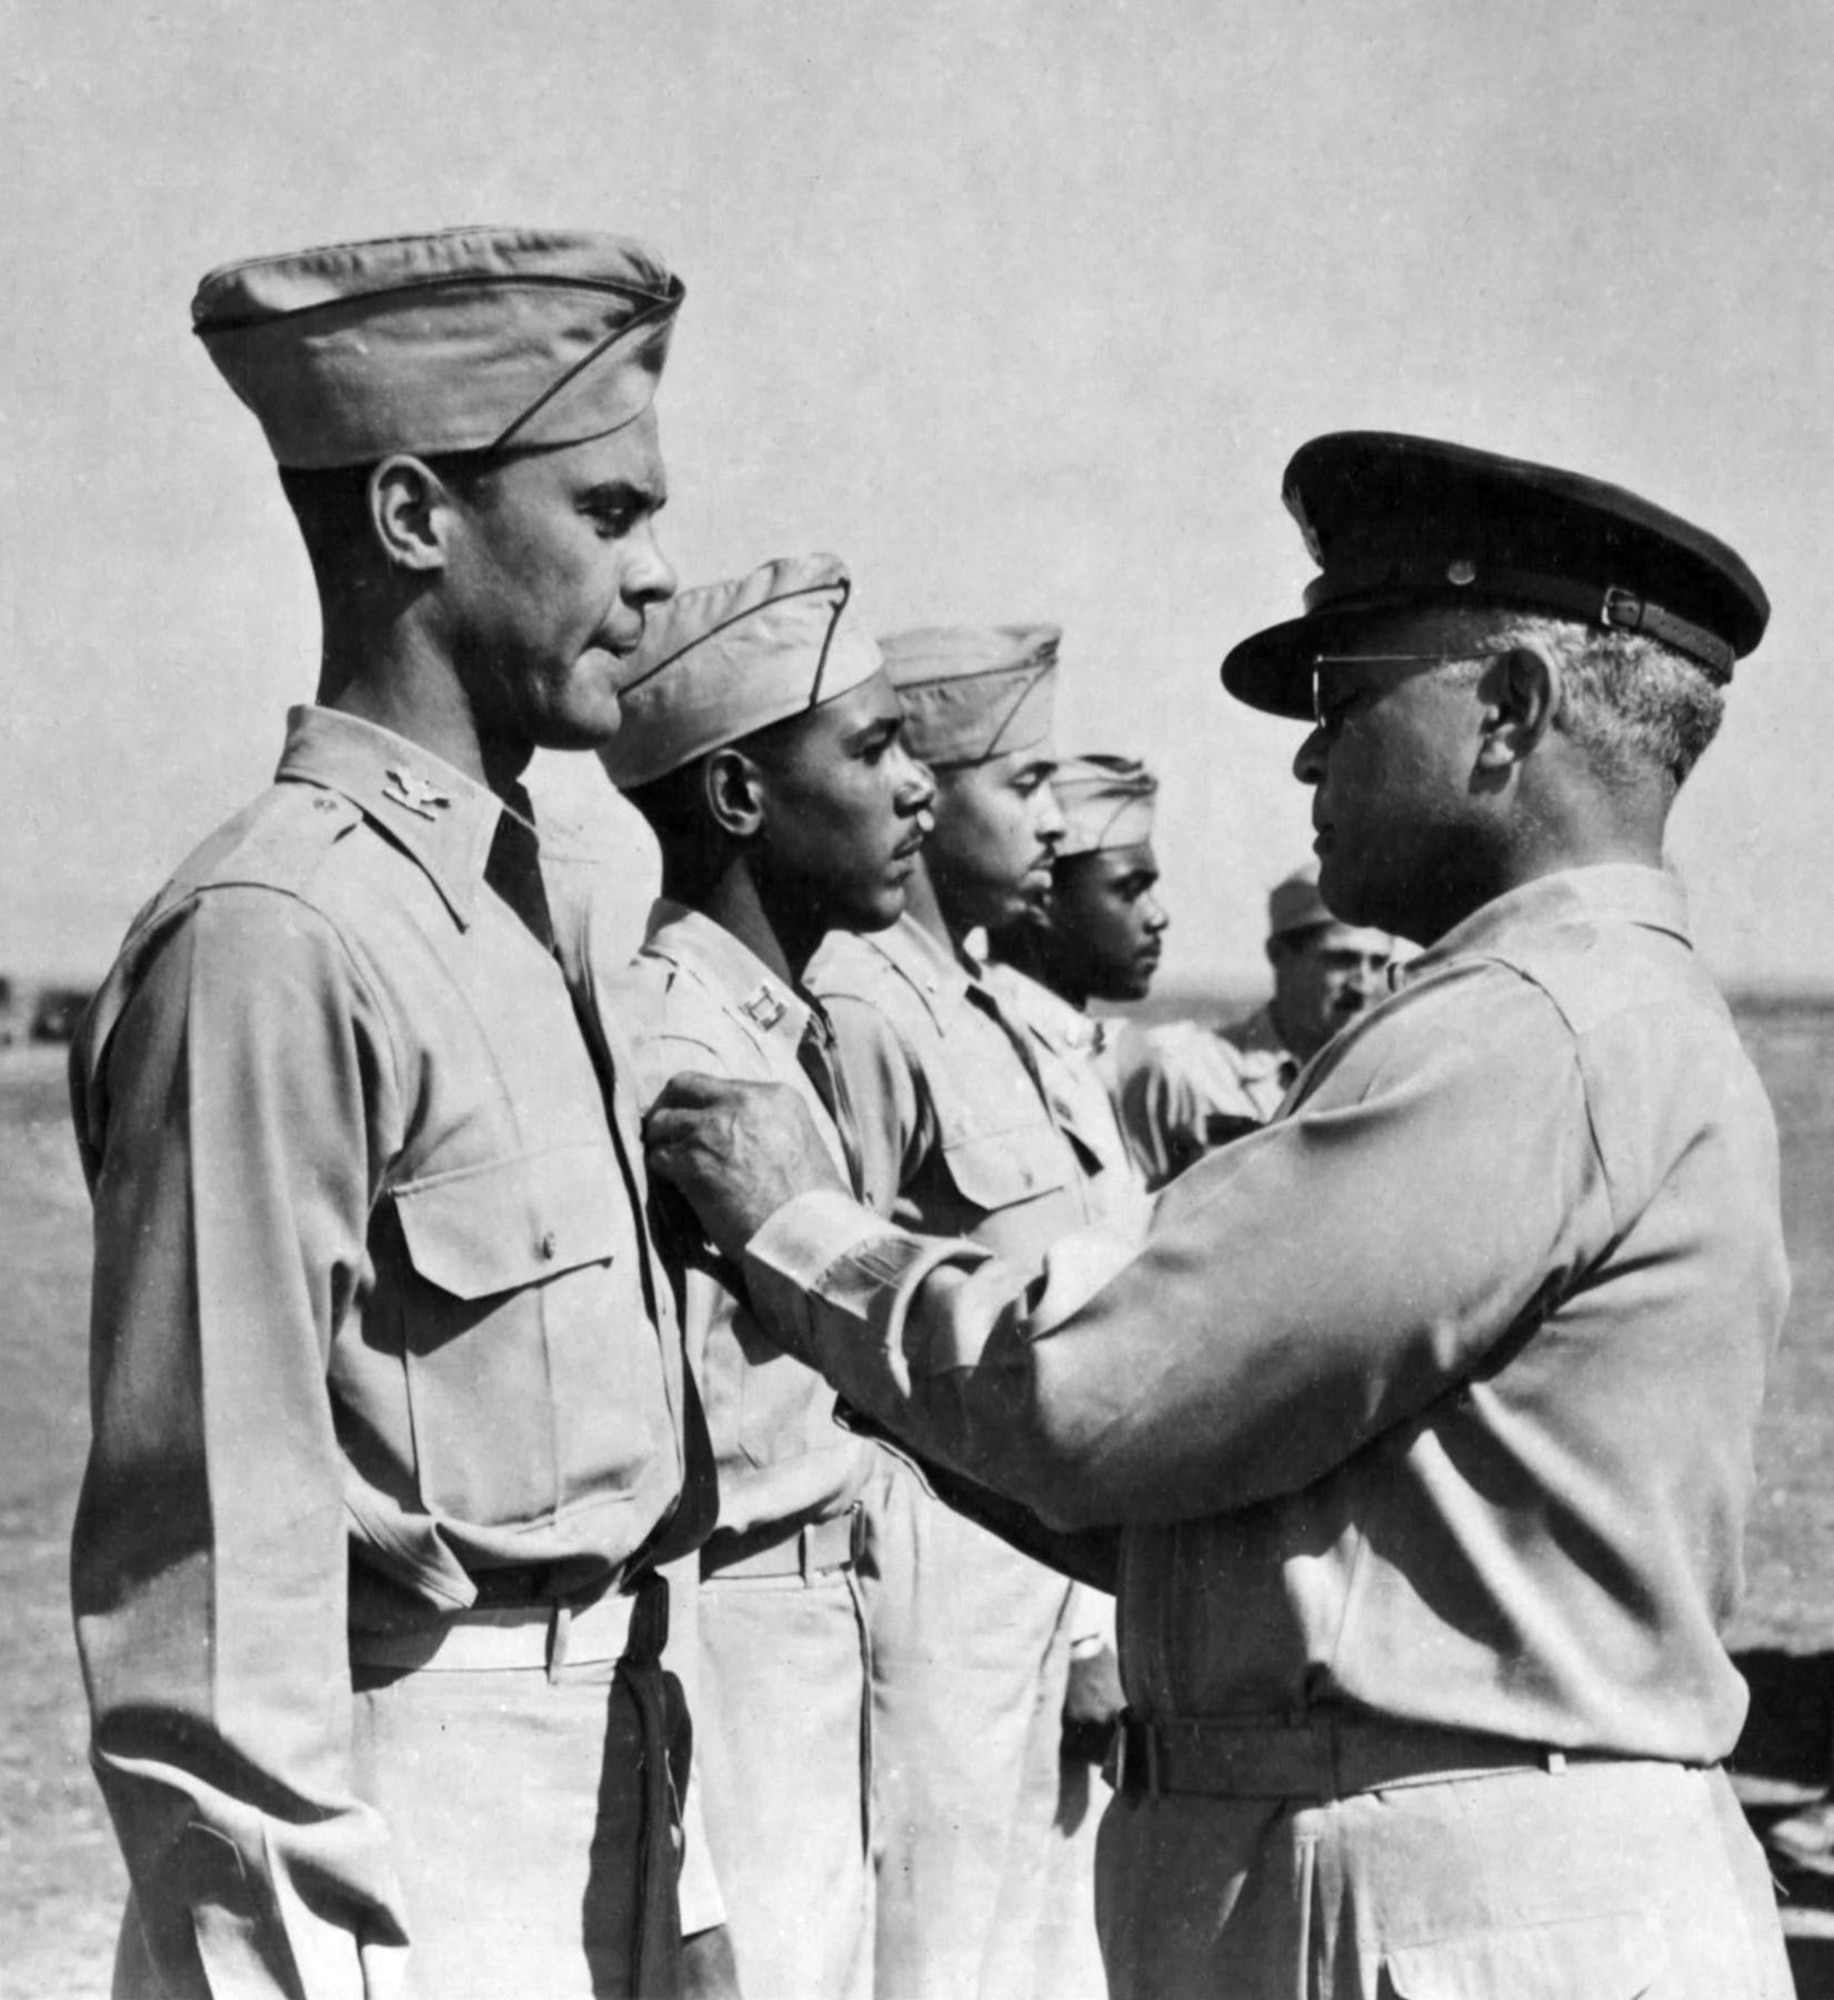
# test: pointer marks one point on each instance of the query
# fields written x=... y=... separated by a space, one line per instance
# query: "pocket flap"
x=1609 y=1957
x=512 y=1222
x=998 y=1171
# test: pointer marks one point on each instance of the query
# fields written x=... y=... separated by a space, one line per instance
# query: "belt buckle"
x=1133 y=1756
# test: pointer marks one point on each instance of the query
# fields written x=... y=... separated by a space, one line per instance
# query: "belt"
x=551 y=1635
x=1322 y=1758
x=823 y=1546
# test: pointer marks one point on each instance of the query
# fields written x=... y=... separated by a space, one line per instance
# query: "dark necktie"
x=514 y=868
x=815 y=1052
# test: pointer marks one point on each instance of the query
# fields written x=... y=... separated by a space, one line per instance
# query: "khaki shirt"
x=1184 y=1077
x=1434 y=1399
x=956 y=1129
x=1068 y=1047
x=695 y=998
x=375 y=1324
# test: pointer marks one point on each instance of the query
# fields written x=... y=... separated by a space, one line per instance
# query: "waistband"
x=820 y=1548
x=616 y=1626
x=1317 y=1759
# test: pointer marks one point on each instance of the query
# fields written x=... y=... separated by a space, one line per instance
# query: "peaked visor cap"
x=1106 y=802
x=464 y=340
x=717 y=663
x=975 y=692
x=1399 y=522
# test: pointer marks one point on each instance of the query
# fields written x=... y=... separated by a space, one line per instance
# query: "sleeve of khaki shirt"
x=1301 y=1291
x=247 y=1086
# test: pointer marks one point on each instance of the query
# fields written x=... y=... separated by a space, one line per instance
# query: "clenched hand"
x=738 y=1151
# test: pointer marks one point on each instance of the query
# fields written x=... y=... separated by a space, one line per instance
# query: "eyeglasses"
x=1329 y=719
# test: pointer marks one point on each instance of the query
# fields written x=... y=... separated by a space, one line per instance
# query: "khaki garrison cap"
x=465 y=340
x=717 y=663
x=1107 y=802
x=1294 y=904
x=971 y=692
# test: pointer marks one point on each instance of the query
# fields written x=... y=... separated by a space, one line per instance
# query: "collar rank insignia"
x=764 y=1009
x=402 y=788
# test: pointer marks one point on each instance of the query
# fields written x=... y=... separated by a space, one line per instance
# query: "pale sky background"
x=1020 y=308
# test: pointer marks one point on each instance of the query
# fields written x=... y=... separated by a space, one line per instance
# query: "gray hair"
x=1629 y=702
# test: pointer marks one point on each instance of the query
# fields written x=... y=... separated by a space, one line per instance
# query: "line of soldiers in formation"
x=474 y=1584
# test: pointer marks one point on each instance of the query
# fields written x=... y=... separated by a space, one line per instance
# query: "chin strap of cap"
x=1616 y=609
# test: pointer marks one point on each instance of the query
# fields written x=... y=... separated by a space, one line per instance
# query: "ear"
x=1520 y=692
x=733 y=788
x=409 y=513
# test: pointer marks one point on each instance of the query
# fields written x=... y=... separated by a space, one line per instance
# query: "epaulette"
x=278 y=841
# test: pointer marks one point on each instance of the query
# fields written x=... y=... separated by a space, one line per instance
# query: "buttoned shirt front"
x=1186 y=1081
x=1434 y=1399
x=696 y=998
x=956 y=1128
x=1068 y=1047
x=376 y=1329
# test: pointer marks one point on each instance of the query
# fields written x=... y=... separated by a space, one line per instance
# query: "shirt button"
x=546 y=1248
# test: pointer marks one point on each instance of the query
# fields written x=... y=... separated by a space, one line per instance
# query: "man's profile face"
x=1390 y=759
x=997 y=825
x=1324 y=977
x=846 y=810
x=553 y=562
x=1107 y=922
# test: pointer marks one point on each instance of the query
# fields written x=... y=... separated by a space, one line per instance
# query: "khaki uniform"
x=1070 y=1049
x=383 y=1377
x=1184 y=1085
x=970 y=1639
x=780 y=1682
x=1426 y=1416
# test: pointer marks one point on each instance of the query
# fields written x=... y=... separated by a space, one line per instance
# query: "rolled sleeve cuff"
x=824 y=1267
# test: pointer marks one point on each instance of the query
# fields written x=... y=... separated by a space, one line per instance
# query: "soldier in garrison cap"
x=1420 y=1430
x=390 y=1421
x=970 y=1639
x=1190 y=1085
x=761 y=740
x=1097 y=936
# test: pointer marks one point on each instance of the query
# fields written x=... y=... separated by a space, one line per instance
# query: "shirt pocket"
x=505 y=1279
x=994 y=1171
x=1615 y=1956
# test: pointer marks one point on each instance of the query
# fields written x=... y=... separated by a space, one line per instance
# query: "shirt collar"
x=1049 y=1014
x=1257 y=1038
x=1615 y=892
x=935 y=969
x=435 y=814
x=692 y=940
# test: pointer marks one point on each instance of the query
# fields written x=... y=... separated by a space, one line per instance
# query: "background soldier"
x=388 y=1402
x=970 y=1639
x=760 y=740
x=1097 y=937
x=1420 y=1432
x=1186 y=1087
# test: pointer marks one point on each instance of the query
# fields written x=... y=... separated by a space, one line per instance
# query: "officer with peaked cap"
x=760 y=738
x=390 y=1421
x=970 y=1639
x=1418 y=1436
x=1191 y=1085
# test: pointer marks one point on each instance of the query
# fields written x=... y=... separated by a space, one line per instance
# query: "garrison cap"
x=717 y=663
x=974 y=692
x=1106 y=802
x=464 y=340
x=1396 y=522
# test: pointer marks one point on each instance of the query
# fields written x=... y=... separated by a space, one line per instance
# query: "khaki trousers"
x=780 y=1737
x=1593 y=1882
x=519 y=1817
x=970 y=1651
